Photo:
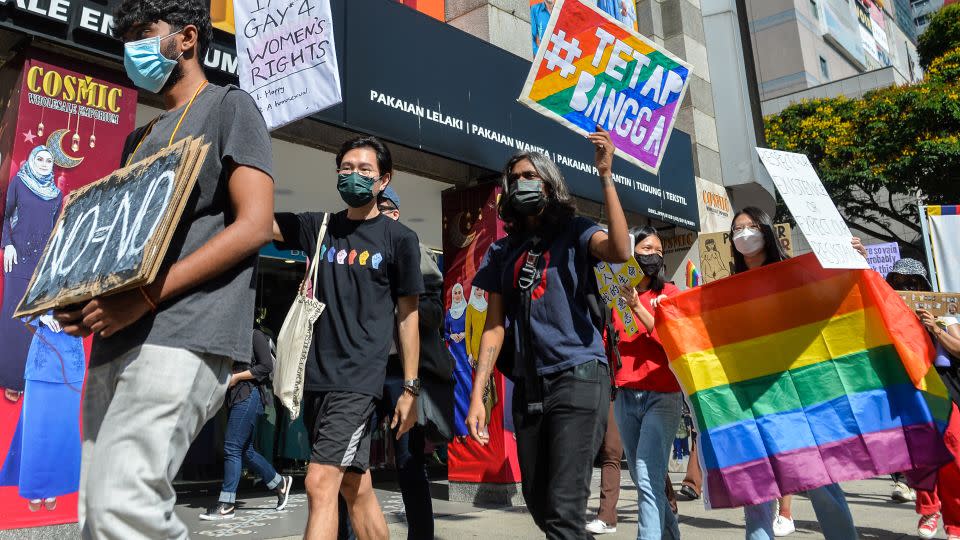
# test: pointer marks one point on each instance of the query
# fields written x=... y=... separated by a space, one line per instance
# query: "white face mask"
x=748 y=241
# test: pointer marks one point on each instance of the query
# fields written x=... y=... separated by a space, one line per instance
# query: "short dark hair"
x=176 y=13
x=773 y=250
x=658 y=280
x=384 y=160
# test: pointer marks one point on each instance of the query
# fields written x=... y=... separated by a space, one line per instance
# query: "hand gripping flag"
x=800 y=377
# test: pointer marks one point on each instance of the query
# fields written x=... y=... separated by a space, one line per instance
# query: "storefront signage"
x=593 y=71
x=63 y=127
x=443 y=91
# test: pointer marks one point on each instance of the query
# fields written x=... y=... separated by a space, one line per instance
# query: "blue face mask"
x=146 y=66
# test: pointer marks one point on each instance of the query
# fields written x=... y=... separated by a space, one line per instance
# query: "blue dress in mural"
x=44 y=456
x=462 y=370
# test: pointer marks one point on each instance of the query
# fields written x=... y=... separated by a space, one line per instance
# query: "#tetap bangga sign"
x=593 y=70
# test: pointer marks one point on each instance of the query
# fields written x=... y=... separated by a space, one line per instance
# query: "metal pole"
x=750 y=66
x=934 y=280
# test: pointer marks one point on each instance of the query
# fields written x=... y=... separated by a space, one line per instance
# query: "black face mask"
x=650 y=263
x=527 y=198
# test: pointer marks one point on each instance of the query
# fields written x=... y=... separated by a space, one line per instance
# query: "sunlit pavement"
x=876 y=516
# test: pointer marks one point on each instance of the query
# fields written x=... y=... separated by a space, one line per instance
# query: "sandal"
x=50 y=503
x=34 y=505
x=12 y=395
x=689 y=492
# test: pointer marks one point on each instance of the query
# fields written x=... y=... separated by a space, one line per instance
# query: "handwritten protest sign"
x=882 y=257
x=112 y=234
x=716 y=255
x=593 y=70
x=287 y=59
x=811 y=206
x=612 y=280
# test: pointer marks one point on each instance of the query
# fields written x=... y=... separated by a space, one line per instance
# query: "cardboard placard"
x=112 y=234
x=938 y=304
x=716 y=252
x=812 y=209
x=591 y=70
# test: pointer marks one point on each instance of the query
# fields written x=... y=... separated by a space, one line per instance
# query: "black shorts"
x=339 y=424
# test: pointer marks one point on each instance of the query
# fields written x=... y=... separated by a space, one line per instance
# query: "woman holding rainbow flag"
x=755 y=244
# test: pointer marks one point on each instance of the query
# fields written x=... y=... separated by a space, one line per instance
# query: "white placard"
x=811 y=206
x=287 y=59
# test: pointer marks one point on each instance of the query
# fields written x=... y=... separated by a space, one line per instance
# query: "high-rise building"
x=824 y=48
x=922 y=11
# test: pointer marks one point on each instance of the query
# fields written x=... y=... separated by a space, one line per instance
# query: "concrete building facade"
x=800 y=44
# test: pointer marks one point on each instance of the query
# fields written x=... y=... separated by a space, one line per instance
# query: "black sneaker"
x=284 y=494
x=218 y=512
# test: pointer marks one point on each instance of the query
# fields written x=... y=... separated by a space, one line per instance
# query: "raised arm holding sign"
x=592 y=70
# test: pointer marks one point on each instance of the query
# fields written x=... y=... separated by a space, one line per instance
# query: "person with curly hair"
x=162 y=354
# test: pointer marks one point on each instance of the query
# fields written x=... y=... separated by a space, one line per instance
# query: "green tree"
x=941 y=36
x=879 y=154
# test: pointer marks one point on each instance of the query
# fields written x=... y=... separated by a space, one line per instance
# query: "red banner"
x=470 y=227
x=63 y=128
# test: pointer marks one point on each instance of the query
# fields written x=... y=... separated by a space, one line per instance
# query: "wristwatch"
x=412 y=386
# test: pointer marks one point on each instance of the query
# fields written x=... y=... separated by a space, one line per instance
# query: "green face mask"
x=355 y=189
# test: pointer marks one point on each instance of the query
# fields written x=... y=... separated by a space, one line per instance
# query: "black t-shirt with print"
x=364 y=267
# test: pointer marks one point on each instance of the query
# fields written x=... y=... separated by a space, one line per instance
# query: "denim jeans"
x=238 y=448
x=556 y=447
x=411 y=471
x=829 y=503
x=648 y=424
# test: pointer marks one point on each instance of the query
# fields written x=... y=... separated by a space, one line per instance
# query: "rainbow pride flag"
x=800 y=377
x=693 y=275
x=592 y=70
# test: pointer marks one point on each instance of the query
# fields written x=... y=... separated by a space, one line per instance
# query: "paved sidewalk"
x=876 y=516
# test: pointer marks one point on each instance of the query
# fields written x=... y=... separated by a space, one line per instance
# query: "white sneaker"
x=782 y=526
x=902 y=493
x=598 y=527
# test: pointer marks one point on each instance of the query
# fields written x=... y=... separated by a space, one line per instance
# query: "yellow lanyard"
x=177 y=127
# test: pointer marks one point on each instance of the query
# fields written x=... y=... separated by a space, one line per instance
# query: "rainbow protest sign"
x=592 y=70
x=799 y=377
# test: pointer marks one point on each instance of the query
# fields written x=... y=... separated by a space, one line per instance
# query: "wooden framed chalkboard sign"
x=112 y=234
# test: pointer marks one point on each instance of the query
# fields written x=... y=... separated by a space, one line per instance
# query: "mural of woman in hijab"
x=455 y=332
x=44 y=456
x=33 y=202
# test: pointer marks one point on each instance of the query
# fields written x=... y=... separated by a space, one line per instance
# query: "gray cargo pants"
x=140 y=414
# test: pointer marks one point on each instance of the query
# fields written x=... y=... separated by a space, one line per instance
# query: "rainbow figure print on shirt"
x=376 y=260
x=331 y=254
x=352 y=257
x=341 y=256
x=363 y=258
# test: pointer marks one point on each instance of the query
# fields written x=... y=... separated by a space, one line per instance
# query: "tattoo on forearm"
x=487 y=359
x=607 y=181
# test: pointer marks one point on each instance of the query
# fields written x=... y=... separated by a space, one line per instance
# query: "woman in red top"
x=648 y=402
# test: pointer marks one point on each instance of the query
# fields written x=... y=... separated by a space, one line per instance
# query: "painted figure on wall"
x=539 y=17
x=44 y=456
x=33 y=201
x=455 y=332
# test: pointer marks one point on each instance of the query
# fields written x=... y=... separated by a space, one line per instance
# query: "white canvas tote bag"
x=296 y=336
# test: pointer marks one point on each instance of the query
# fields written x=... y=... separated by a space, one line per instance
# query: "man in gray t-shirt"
x=162 y=354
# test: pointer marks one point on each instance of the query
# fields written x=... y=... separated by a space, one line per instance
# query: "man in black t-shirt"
x=368 y=265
